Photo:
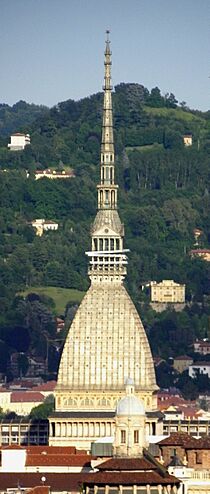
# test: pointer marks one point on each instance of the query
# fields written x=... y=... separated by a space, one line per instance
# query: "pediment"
x=105 y=231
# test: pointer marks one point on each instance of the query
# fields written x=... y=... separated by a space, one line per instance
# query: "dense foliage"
x=164 y=195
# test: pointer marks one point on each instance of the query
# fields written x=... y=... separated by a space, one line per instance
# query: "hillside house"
x=19 y=141
x=167 y=291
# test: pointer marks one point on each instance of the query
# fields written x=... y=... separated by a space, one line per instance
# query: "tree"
x=155 y=98
x=170 y=101
x=43 y=411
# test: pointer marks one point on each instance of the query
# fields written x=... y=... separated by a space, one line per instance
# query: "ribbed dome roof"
x=130 y=405
x=106 y=343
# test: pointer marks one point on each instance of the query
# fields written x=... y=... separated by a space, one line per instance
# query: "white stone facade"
x=19 y=141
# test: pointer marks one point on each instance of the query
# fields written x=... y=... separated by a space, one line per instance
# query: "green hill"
x=61 y=296
x=163 y=196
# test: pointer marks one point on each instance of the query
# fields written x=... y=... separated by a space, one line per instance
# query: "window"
x=100 y=243
x=136 y=437
x=123 y=437
x=198 y=456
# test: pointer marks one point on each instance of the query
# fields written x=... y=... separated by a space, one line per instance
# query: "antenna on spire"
x=107 y=50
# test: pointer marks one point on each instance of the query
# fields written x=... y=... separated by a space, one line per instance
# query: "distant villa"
x=54 y=174
x=202 y=253
x=42 y=225
x=19 y=141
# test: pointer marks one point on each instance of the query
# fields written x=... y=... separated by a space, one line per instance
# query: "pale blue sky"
x=52 y=50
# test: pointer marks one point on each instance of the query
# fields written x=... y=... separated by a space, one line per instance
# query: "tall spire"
x=107 y=190
x=107 y=257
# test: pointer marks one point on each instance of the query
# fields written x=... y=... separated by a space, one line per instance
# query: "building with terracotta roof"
x=16 y=458
x=128 y=476
x=188 y=458
x=22 y=402
x=132 y=469
x=46 y=388
x=202 y=347
x=202 y=253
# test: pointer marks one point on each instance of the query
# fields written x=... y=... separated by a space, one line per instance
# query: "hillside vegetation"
x=60 y=296
x=163 y=196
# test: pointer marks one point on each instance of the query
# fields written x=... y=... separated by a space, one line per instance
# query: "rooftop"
x=183 y=439
x=26 y=397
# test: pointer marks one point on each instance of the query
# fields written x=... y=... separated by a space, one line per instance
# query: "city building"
x=23 y=431
x=199 y=368
x=196 y=427
x=107 y=343
x=167 y=291
x=202 y=253
x=36 y=366
x=129 y=469
x=187 y=139
x=182 y=363
x=188 y=459
x=19 y=141
x=202 y=347
x=42 y=226
x=53 y=174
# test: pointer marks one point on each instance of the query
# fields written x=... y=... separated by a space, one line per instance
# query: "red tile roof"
x=40 y=489
x=188 y=442
x=183 y=357
x=52 y=450
x=126 y=478
x=48 y=386
x=26 y=396
x=12 y=446
x=4 y=390
x=200 y=251
x=57 y=481
x=126 y=464
x=58 y=460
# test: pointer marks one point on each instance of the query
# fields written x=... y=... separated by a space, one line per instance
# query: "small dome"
x=130 y=405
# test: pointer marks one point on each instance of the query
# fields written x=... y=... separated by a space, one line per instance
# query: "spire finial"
x=107 y=51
